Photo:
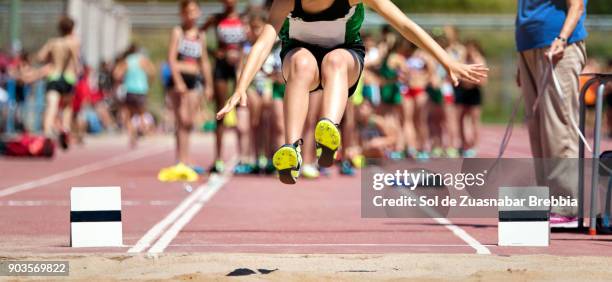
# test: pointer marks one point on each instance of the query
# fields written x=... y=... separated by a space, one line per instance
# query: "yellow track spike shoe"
x=328 y=140
x=288 y=160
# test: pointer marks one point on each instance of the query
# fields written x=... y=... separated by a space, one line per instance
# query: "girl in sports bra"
x=230 y=33
x=188 y=62
x=322 y=48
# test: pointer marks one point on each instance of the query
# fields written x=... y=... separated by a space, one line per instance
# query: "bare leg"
x=462 y=131
x=475 y=117
x=339 y=70
x=420 y=121
x=51 y=111
x=302 y=75
x=409 y=131
x=221 y=89
x=183 y=108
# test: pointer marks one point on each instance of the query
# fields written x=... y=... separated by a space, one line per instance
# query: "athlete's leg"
x=462 y=130
x=302 y=75
x=51 y=111
x=221 y=89
x=308 y=149
x=408 y=122
x=339 y=70
x=183 y=109
x=420 y=121
x=475 y=119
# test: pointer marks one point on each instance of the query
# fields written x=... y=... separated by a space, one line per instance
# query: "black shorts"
x=135 y=100
x=224 y=70
x=357 y=50
x=468 y=97
x=191 y=81
x=61 y=86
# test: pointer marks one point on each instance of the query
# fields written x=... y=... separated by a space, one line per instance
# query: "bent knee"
x=302 y=62
x=336 y=60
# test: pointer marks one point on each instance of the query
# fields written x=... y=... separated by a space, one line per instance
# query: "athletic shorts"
x=357 y=50
x=224 y=70
x=135 y=100
x=191 y=81
x=435 y=95
x=391 y=94
x=61 y=86
x=278 y=91
x=468 y=97
x=413 y=92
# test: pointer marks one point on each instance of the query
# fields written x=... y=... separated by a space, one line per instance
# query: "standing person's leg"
x=421 y=124
x=340 y=70
x=221 y=88
x=408 y=127
x=51 y=111
x=474 y=114
x=129 y=120
x=559 y=138
x=302 y=75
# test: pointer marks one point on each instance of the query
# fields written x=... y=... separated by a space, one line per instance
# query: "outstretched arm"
x=411 y=31
x=259 y=52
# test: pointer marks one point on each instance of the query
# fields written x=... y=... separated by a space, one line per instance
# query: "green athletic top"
x=337 y=25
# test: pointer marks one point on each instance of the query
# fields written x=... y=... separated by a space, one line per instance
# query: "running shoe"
x=310 y=171
x=359 y=161
x=346 y=168
x=560 y=221
x=396 y=155
x=452 y=153
x=328 y=140
x=469 y=153
x=288 y=161
x=217 y=167
x=243 y=168
x=437 y=152
x=411 y=153
x=422 y=156
x=198 y=169
x=63 y=140
x=179 y=172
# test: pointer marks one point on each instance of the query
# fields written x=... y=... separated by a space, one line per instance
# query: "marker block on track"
x=95 y=217
x=523 y=225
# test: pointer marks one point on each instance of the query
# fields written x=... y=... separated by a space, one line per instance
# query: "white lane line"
x=82 y=170
x=323 y=245
x=480 y=249
x=158 y=228
x=40 y=203
x=209 y=190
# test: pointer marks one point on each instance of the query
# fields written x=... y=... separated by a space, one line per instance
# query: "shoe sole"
x=285 y=161
x=328 y=141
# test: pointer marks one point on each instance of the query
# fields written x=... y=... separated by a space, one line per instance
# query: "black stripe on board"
x=508 y=216
x=95 y=216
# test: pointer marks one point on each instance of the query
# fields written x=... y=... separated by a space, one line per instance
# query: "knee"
x=334 y=61
x=303 y=63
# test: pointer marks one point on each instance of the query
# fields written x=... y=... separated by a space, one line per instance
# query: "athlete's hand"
x=208 y=92
x=470 y=73
x=238 y=97
x=180 y=87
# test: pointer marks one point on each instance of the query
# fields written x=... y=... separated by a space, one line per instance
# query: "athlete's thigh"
x=346 y=58
x=300 y=61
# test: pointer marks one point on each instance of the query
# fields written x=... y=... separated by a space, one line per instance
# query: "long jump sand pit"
x=306 y=267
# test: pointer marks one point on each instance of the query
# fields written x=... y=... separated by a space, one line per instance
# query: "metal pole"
x=596 y=145
x=15 y=24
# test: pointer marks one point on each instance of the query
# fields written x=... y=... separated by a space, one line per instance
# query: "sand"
x=283 y=267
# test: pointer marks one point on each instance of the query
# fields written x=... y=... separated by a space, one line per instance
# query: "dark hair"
x=185 y=3
x=476 y=44
x=133 y=48
x=65 y=25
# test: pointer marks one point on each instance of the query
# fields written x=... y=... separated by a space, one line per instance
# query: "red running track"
x=246 y=214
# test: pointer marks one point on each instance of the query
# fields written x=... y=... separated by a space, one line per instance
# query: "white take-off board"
x=524 y=225
x=95 y=217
